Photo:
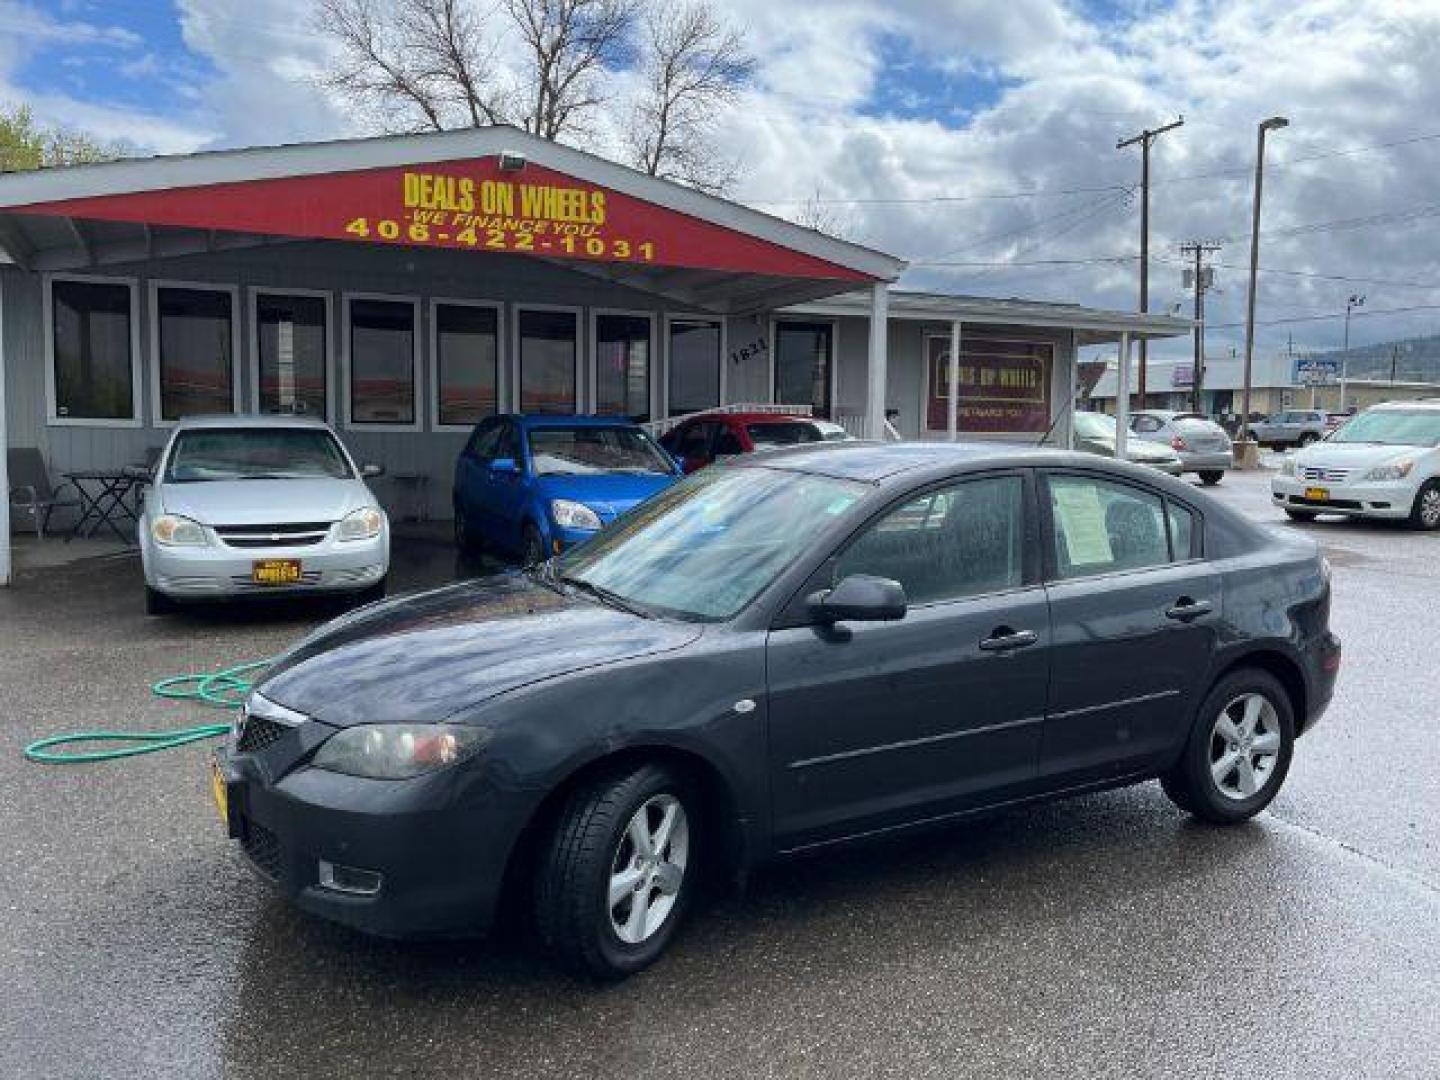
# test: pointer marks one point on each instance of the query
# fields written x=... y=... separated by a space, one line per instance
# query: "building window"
x=195 y=351
x=1004 y=385
x=694 y=365
x=292 y=354
x=803 y=365
x=467 y=363
x=92 y=336
x=549 y=342
x=382 y=361
x=622 y=366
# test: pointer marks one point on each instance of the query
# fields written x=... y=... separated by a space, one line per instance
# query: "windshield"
x=1392 y=427
x=256 y=454
x=785 y=433
x=576 y=451
x=1089 y=425
x=706 y=547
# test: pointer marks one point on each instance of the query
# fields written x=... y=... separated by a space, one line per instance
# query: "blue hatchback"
x=535 y=485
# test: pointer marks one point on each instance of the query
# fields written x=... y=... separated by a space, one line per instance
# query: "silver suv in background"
x=1202 y=444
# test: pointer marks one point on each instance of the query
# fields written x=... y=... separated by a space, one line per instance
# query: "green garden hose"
x=224 y=689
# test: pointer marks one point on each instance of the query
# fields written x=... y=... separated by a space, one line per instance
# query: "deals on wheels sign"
x=470 y=205
x=1004 y=386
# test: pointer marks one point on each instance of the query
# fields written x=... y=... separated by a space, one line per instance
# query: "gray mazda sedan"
x=790 y=652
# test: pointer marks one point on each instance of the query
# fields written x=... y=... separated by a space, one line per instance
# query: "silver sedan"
x=1202 y=444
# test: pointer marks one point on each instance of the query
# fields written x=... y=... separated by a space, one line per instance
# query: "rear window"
x=255 y=454
x=783 y=434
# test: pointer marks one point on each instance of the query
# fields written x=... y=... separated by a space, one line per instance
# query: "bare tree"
x=568 y=45
x=694 y=66
x=412 y=64
x=815 y=213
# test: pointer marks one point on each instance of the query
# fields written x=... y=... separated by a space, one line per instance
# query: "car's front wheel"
x=1238 y=751
x=1425 y=514
x=618 y=874
x=157 y=603
x=532 y=550
x=466 y=540
x=1212 y=476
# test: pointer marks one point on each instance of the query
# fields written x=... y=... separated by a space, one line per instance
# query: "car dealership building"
x=406 y=287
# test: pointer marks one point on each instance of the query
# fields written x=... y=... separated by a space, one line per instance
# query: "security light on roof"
x=511 y=161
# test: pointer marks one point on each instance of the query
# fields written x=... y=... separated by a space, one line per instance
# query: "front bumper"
x=1372 y=499
x=217 y=570
x=563 y=539
x=439 y=842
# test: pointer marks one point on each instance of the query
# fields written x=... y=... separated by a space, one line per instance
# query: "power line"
x=1358 y=313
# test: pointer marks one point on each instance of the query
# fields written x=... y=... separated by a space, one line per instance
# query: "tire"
x=532 y=550
x=1300 y=515
x=157 y=603
x=593 y=836
x=1196 y=783
x=1425 y=514
x=466 y=540
x=1211 y=477
x=1308 y=438
x=373 y=593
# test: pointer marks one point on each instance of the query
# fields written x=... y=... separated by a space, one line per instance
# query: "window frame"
x=593 y=356
x=776 y=322
x=517 y=361
x=1049 y=561
x=253 y=365
x=672 y=317
x=237 y=395
x=501 y=358
x=136 y=419
x=346 y=372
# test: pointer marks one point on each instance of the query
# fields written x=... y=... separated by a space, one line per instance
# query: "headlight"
x=573 y=515
x=397 y=751
x=1287 y=466
x=1390 y=472
x=176 y=531
x=362 y=524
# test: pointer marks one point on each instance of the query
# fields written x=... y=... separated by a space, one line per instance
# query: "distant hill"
x=1415 y=359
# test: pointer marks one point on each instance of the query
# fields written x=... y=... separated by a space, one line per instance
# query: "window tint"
x=961 y=540
x=802 y=365
x=93 y=365
x=467 y=349
x=694 y=365
x=1182 y=530
x=195 y=347
x=622 y=366
x=1146 y=423
x=694 y=441
x=382 y=362
x=1102 y=526
x=293 y=354
x=727 y=442
x=547 y=361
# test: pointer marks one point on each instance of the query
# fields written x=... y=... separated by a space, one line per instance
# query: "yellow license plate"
x=275 y=571
x=217 y=790
x=1322 y=494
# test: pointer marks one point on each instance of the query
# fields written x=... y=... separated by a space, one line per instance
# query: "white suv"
x=1384 y=463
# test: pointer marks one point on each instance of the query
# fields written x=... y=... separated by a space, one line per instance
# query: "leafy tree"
x=25 y=144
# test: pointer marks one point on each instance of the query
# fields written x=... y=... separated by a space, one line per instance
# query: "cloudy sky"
x=976 y=138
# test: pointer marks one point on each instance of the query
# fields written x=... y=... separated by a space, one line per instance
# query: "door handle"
x=1003 y=639
x=1186 y=608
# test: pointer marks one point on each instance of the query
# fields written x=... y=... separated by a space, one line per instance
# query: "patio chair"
x=30 y=489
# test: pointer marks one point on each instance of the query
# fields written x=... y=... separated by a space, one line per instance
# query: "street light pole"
x=1356 y=300
x=1275 y=123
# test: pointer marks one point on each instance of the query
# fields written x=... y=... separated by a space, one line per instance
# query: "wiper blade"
x=605 y=596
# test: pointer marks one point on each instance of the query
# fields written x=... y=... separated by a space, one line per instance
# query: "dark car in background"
x=535 y=485
x=795 y=650
x=699 y=440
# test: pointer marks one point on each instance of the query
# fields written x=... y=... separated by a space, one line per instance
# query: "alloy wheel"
x=1430 y=507
x=648 y=869
x=1244 y=746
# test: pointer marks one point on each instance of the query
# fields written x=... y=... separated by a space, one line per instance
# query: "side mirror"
x=142 y=473
x=859 y=598
x=504 y=466
x=369 y=472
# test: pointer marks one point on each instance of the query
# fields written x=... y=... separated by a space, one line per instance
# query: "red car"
x=701 y=439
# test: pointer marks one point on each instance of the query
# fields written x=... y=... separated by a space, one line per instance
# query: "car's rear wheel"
x=1238 y=751
x=619 y=871
x=1425 y=514
x=1212 y=476
x=532 y=550
x=1300 y=515
x=157 y=603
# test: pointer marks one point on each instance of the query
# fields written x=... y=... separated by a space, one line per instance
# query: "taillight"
x=1177 y=443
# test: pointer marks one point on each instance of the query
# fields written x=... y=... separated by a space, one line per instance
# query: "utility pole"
x=1356 y=300
x=1199 y=248
x=1145 y=138
x=1274 y=123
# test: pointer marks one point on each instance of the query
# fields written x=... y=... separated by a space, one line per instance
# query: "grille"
x=257 y=733
x=262 y=847
x=1317 y=472
x=290 y=534
x=1333 y=504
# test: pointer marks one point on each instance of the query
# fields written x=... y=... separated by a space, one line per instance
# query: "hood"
x=1354 y=455
x=426 y=657
x=265 y=502
x=608 y=494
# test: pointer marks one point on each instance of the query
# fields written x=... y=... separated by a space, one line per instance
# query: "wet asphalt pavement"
x=1106 y=936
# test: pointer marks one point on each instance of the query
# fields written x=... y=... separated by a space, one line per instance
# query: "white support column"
x=5 y=567
x=876 y=368
x=1122 y=397
x=952 y=419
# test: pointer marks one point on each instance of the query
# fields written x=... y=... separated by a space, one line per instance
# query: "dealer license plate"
x=1321 y=494
x=275 y=571
x=217 y=790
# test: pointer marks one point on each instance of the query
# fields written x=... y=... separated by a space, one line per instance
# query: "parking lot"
x=1103 y=936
